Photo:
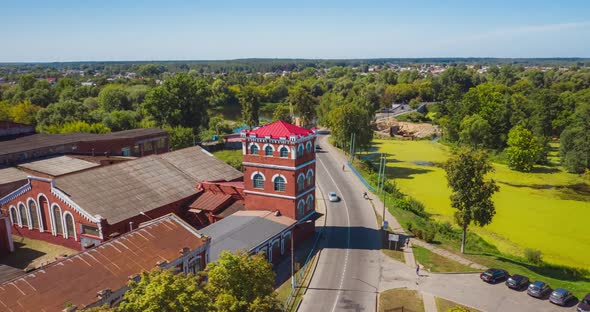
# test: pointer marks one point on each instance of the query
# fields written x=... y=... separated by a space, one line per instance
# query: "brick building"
x=99 y=276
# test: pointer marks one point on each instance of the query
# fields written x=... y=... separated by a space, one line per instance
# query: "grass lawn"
x=232 y=157
x=436 y=263
x=400 y=297
x=546 y=210
x=285 y=289
x=395 y=255
x=34 y=253
x=444 y=305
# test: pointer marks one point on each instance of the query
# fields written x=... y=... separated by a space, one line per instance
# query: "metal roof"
x=280 y=129
x=9 y=175
x=210 y=201
x=57 y=166
x=244 y=230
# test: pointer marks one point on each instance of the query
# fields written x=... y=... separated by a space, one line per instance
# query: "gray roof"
x=9 y=175
x=61 y=165
x=244 y=230
x=123 y=190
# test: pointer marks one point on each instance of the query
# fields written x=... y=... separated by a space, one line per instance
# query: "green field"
x=547 y=210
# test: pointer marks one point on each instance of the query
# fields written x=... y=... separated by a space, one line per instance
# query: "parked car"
x=517 y=281
x=333 y=197
x=538 y=289
x=493 y=275
x=561 y=296
x=584 y=305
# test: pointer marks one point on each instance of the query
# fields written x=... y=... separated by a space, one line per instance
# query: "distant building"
x=11 y=130
x=100 y=275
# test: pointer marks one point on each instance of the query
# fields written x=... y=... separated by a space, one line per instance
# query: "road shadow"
x=356 y=237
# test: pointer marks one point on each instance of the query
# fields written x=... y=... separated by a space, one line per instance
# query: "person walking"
x=417 y=269
x=408 y=242
x=342 y=167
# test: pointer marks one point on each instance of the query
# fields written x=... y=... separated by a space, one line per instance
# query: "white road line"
x=347 y=237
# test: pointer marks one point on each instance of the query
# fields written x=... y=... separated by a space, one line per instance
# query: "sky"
x=128 y=30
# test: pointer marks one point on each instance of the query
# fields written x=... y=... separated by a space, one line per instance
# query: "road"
x=348 y=271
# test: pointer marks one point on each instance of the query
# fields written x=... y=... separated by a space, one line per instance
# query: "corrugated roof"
x=233 y=208
x=123 y=190
x=77 y=279
x=9 y=175
x=61 y=165
x=279 y=129
x=245 y=230
x=210 y=201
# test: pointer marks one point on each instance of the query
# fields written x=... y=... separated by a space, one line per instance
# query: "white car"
x=333 y=197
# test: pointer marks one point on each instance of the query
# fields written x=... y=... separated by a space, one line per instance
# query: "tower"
x=279 y=169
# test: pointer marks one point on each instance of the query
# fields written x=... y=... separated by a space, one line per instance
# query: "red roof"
x=210 y=201
x=280 y=129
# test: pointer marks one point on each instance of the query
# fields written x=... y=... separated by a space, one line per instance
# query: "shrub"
x=410 y=227
x=533 y=256
x=429 y=233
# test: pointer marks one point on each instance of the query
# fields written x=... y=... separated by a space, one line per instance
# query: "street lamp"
x=143 y=214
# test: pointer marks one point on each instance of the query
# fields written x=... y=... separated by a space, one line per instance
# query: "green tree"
x=180 y=137
x=77 y=126
x=348 y=119
x=524 y=149
x=121 y=120
x=62 y=112
x=180 y=101
x=575 y=149
x=113 y=97
x=250 y=101
x=150 y=70
x=303 y=103
x=25 y=113
x=475 y=131
x=239 y=282
x=282 y=112
x=471 y=192
x=162 y=290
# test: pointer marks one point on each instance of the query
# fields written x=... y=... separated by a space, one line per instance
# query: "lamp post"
x=292 y=259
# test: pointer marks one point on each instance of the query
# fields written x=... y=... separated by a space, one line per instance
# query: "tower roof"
x=279 y=129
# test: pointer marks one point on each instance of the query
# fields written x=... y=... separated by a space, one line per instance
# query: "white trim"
x=16 y=193
x=255 y=173
x=280 y=196
x=65 y=227
x=280 y=148
x=70 y=203
x=290 y=140
x=278 y=175
x=12 y=222
x=250 y=148
x=251 y=164
x=283 y=240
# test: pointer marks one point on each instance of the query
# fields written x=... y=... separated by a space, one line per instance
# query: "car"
x=333 y=197
x=318 y=147
x=584 y=305
x=561 y=296
x=517 y=282
x=538 y=289
x=493 y=275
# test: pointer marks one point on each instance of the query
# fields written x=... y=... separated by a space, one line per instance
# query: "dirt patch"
x=392 y=126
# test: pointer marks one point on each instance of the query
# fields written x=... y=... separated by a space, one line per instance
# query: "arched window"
x=33 y=213
x=300 y=182
x=310 y=202
x=268 y=150
x=254 y=149
x=284 y=152
x=58 y=226
x=22 y=211
x=300 y=151
x=300 y=208
x=258 y=181
x=309 y=177
x=70 y=228
x=308 y=146
x=279 y=183
x=13 y=215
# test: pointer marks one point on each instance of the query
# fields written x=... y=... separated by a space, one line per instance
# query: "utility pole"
x=292 y=259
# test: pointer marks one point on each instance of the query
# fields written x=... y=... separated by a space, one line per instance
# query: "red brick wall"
x=260 y=202
x=4 y=236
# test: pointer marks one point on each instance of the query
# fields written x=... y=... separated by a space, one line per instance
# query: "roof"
x=78 y=278
x=37 y=141
x=244 y=230
x=210 y=201
x=120 y=191
x=9 y=175
x=279 y=129
x=233 y=208
x=61 y=165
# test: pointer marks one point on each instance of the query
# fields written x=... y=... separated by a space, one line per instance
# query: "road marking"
x=347 y=236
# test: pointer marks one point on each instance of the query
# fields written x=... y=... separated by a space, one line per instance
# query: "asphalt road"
x=348 y=271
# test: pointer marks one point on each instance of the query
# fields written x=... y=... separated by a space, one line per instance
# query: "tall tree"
x=303 y=103
x=471 y=192
x=250 y=101
x=282 y=112
x=25 y=113
x=180 y=101
x=475 y=131
x=113 y=97
x=348 y=119
x=524 y=149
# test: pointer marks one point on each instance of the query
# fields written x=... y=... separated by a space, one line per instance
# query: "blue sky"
x=92 y=30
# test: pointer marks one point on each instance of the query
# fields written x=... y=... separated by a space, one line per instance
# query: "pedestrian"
x=408 y=241
x=342 y=167
x=417 y=269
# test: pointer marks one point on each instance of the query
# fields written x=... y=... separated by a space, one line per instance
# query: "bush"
x=410 y=227
x=429 y=233
x=533 y=256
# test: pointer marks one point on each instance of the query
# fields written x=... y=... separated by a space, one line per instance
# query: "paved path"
x=450 y=255
x=429 y=302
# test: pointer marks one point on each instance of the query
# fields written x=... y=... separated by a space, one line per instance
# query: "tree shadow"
x=546 y=170
x=404 y=172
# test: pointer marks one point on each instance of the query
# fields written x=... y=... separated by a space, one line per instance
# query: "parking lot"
x=466 y=289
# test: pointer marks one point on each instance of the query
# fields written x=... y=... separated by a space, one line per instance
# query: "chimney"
x=130 y=225
x=184 y=251
x=105 y=293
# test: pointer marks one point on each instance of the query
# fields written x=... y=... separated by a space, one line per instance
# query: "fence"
x=360 y=176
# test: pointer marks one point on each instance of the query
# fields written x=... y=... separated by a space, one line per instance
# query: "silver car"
x=333 y=197
x=561 y=296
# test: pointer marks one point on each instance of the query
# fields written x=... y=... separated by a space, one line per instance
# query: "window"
x=280 y=182
x=309 y=177
x=254 y=149
x=258 y=181
x=161 y=143
x=300 y=151
x=308 y=146
x=268 y=150
x=300 y=183
x=90 y=230
x=147 y=146
x=70 y=225
x=56 y=212
x=13 y=215
x=126 y=151
x=23 y=215
x=310 y=202
x=136 y=150
x=300 y=208
x=33 y=213
x=284 y=152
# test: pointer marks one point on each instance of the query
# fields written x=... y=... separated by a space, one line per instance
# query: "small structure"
x=99 y=276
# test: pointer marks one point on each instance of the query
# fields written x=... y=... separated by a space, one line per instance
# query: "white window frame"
x=65 y=228
x=273 y=182
x=252 y=178
x=18 y=206
x=281 y=148
x=52 y=217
